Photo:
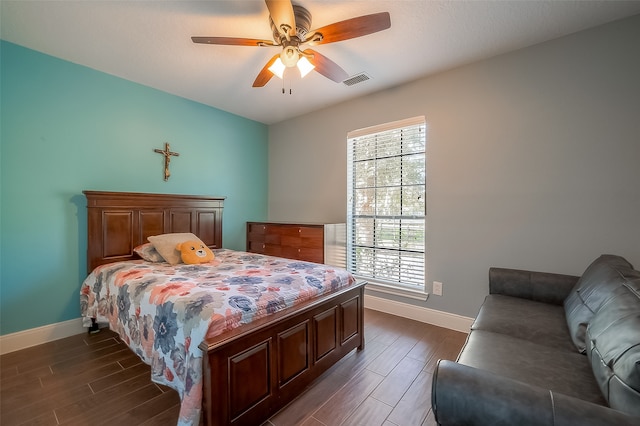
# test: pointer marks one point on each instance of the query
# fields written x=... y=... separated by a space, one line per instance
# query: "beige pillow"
x=165 y=244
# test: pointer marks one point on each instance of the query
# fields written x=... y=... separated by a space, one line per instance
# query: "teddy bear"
x=194 y=251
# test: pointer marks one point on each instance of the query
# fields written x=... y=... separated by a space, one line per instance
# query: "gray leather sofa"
x=549 y=349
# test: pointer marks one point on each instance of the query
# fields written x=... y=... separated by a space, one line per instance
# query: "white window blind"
x=386 y=227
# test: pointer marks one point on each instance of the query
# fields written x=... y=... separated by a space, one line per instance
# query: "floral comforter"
x=163 y=312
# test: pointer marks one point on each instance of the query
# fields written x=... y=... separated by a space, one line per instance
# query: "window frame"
x=416 y=291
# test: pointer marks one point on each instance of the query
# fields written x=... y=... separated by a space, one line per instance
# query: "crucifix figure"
x=167 y=159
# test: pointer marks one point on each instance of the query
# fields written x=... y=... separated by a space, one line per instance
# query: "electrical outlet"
x=437 y=288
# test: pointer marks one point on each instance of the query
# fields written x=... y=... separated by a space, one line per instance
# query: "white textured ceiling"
x=148 y=42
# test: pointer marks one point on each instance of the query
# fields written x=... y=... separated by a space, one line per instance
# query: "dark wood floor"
x=96 y=379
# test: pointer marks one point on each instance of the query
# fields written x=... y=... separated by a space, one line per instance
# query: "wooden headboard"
x=119 y=221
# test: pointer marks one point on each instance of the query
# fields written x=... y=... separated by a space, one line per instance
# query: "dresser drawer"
x=315 y=255
x=255 y=234
x=289 y=240
x=256 y=247
x=274 y=250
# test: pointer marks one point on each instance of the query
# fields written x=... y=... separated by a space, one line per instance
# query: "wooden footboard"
x=257 y=369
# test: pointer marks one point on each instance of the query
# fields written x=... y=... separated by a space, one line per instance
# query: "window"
x=386 y=227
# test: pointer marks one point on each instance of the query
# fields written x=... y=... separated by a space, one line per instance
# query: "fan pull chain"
x=283 y=87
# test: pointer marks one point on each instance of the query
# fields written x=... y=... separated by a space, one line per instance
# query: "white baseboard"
x=36 y=336
x=417 y=313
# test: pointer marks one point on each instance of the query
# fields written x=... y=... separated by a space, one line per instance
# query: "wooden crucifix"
x=167 y=159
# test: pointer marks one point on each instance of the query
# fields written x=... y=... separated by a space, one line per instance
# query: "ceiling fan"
x=291 y=25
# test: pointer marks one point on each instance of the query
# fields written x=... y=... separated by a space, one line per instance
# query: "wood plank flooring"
x=97 y=380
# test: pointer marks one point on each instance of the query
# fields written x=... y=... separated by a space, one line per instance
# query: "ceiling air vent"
x=358 y=78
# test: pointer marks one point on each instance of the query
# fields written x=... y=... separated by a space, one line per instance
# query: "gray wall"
x=533 y=160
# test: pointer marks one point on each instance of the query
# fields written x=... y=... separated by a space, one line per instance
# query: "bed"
x=238 y=338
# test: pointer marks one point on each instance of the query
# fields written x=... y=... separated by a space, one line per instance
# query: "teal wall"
x=66 y=128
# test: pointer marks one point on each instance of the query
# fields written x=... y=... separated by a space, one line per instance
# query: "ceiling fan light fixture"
x=278 y=68
x=305 y=66
x=289 y=56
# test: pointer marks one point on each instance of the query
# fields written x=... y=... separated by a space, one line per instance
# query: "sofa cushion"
x=539 y=286
x=605 y=274
x=567 y=372
x=537 y=322
x=614 y=348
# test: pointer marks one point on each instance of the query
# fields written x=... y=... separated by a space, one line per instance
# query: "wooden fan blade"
x=326 y=66
x=354 y=27
x=281 y=12
x=265 y=75
x=232 y=41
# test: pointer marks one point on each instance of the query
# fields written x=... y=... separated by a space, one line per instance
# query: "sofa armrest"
x=463 y=395
x=538 y=286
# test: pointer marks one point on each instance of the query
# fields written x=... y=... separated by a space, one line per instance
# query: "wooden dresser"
x=319 y=243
